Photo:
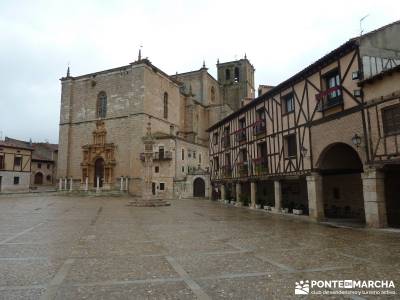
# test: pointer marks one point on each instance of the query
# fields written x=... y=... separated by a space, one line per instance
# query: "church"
x=105 y=115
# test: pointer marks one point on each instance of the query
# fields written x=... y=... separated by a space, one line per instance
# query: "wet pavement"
x=70 y=247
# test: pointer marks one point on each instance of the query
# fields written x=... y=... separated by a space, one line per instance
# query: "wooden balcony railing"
x=243 y=169
x=259 y=127
x=260 y=166
x=330 y=98
x=241 y=135
x=226 y=141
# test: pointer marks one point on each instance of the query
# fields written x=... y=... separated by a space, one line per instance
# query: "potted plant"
x=268 y=205
x=298 y=210
x=285 y=210
x=232 y=201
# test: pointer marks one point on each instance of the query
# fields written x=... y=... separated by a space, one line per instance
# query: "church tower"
x=236 y=79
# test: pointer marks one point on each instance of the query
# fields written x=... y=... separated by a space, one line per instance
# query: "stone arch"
x=341 y=167
x=38 y=179
x=99 y=170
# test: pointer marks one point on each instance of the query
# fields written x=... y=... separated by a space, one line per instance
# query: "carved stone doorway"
x=99 y=171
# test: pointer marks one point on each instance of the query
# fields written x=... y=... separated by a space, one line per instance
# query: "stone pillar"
x=223 y=192
x=97 y=184
x=122 y=184
x=315 y=197
x=126 y=183
x=65 y=183
x=238 y=191
x=278 y=195
x=374 y=198
x=86 y=184
x=70 y=184
x=253 y=193
x=60 y=185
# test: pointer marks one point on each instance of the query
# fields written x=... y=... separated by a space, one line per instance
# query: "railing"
x=226 y=141
x=259 y=127
x=240 y=135
x=243 y=169
x=166 y=155
x=227 y=170
x=330 y=98
x=260 y=165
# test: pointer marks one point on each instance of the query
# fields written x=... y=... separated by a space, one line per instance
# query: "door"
x=153 y=188
x=99 y=172
x=199 y=188
x=38 y=178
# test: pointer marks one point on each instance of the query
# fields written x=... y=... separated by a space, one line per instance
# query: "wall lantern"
x=356 y=140
x=303 y=151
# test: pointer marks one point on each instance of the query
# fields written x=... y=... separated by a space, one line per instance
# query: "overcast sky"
x=39 y=38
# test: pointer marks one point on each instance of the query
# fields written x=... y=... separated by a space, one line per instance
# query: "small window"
x=48 y=166
x=216 y=163
x=101 y=105
x=16 y=180
x=162 y=186
x=39 y=165
x=227 y=74
x=17 y=161
x=48 y=177
x=189 y=154
x=290 y=146
x=156 y=169
x=1 y=162
x=288 y=103
x=199 y=158
x=165 y=105
x=215 y=138
x=391 y=120
x=183 y=169
x=183 y=154
x=194 y=154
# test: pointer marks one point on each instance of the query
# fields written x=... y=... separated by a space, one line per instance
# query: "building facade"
x=15 y=167
x=105 y=115
x=43 y=162
x=325 y=141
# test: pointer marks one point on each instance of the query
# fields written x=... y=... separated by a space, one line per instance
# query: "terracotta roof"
x=14 y=144
x=41 y=151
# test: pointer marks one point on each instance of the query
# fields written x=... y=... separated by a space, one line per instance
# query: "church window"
x=101 y=105
x=227 y=74
x=162 y=186
x=156 y=169
x=165 y=105
x=212 y=94
x=183 y=154
x=236 y=74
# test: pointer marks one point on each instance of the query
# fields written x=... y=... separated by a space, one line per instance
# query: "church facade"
x=105 y=115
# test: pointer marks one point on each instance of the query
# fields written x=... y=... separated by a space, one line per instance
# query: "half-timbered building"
x=324 y=142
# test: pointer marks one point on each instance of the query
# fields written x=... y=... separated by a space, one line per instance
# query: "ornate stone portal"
x=98 y=160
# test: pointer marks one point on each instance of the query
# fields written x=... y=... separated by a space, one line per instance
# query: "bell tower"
x=236 y=79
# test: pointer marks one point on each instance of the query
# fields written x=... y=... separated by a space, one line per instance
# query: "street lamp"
x=356 y=140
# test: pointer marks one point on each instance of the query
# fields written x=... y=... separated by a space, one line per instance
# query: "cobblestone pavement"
x=60 y=247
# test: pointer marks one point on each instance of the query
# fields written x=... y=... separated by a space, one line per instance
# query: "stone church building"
x=104 y=116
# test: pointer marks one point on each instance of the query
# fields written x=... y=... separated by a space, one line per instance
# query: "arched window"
x=212 y=94
x=101 y=105
x=227 y=74
x=237 y=74
x=165 y=105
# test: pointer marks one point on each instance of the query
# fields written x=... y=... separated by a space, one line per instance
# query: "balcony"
x=241 y=135
x=259 y=127
x=227 y=170
x=243 y=169
x=260 y=166
x=330 y=98
x=166 y=155
x=226 y=141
